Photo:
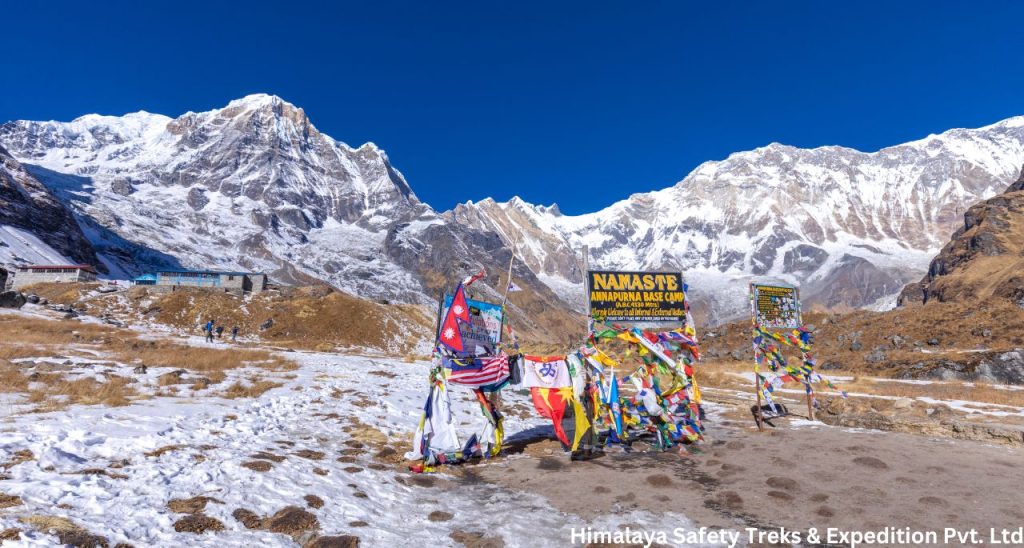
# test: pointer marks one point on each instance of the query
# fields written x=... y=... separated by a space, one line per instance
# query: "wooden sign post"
x=774 y=306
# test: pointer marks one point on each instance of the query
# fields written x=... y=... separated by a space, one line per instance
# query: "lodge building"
x=37 y=274
x=229 y=282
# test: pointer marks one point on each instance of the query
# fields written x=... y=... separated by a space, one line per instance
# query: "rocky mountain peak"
x=255 y=185
x=983 y=259
x=237 y=186
x=25 y=203
x=1018 y=185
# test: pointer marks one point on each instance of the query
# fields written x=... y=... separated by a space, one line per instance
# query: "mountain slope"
x=850 y=227
x=983 y=260
x=251 y=186
x=255 y=185
x=34 y=225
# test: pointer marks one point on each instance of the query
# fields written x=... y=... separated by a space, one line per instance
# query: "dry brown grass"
x=61 y=293
x=17 y=351
x=33 y=338
x=716 y=378
x=958 y=327
x=30 y=337
x=315 y=317
x=11 y=377
x=49 y=523
x=253 y=389
x=722 y=377
x=165 y=449
x=199 y=359
x=950 y=390
x=51 y=391
x=114 y=392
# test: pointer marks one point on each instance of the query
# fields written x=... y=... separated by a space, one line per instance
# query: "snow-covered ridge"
x=254 y=185
x=819 y=217
x=247 y=186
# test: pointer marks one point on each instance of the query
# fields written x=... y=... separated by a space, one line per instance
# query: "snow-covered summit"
x=255 y=184
x=249 y=185
x=852 y=227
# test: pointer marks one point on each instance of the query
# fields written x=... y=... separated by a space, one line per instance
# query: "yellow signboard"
x=776 y=306
x=637 y=296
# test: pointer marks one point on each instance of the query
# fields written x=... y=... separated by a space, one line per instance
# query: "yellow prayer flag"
x=629 y=337
x=582 y=424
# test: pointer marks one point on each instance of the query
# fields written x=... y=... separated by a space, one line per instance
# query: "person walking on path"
x=209 y=331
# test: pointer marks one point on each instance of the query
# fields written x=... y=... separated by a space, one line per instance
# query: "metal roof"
x=217 y=272
x=45 y=266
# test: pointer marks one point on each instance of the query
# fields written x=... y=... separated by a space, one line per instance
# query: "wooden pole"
x=437 y=325
x=586 y=288
x=496 y=400
x=508 y=279
x=803 y=356
x=590 y=440
x=758 y=415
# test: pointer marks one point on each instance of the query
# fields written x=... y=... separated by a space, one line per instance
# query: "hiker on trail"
x=234 y=334
x=208 y=329
x=220 y=331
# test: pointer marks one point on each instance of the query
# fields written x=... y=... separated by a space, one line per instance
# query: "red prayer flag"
x=551 y=403
x=459 y=306
x=450 y=335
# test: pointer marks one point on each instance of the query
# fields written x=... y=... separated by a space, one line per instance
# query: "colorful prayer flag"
x=551 y=403
x=459 y=306
x=450 y=335
x=479 y=275
x=545 y=372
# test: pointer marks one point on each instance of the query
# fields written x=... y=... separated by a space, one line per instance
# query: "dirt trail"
x=795 y=476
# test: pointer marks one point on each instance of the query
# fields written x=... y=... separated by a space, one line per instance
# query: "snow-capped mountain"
x=255 y=185
x=250 y=186
x=850 y=227
x=35 y=227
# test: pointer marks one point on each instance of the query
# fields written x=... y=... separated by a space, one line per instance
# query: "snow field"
x=206 y=440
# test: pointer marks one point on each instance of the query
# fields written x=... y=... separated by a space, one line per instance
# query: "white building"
x=37 y=274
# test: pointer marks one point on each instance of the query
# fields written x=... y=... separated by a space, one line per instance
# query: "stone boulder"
x=12 y=299
x=1005 y=367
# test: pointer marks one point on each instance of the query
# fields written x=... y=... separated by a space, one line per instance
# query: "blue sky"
x=576 y=103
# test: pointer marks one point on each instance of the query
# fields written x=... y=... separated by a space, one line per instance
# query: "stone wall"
x=26 y=278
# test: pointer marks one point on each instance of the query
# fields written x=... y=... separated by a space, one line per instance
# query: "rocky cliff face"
x=25 y=203
x=985 y=257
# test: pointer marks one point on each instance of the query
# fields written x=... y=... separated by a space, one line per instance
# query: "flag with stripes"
x=478 y=372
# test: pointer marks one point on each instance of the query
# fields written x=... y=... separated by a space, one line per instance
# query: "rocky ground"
x=795 y=475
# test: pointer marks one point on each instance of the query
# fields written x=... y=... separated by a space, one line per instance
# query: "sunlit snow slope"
x=255 y=185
